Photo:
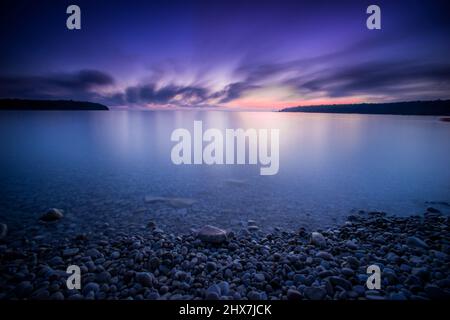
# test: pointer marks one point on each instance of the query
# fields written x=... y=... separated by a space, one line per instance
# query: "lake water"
x=99 y=166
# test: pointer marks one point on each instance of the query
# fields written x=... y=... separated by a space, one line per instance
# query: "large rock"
x=3 y=231
x=181 y=202
x=212 y=234
x=236 y=182
x=433 y=210
x=318 y=239
x=52 y=214
x=173 y=202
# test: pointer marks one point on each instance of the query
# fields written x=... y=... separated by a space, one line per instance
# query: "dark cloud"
x=78 y=85
x=234 y=91
x=83 y=85
x=343 y=74
x=379 y=78
x=171 y=94
x=82 y=80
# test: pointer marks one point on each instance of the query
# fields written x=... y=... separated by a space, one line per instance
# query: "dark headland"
x=56 y=105
x=419 y=108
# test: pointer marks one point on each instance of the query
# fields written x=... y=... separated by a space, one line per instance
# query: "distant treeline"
x=424 y=108
x=23 y=104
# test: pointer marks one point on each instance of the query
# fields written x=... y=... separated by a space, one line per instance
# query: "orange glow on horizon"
x=276 y=105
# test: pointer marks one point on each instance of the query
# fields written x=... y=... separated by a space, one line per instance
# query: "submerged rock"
x=3 y=231
x=53 y=214
x=236 y=182
x=433 y=210
x=212 y=234
x=151 y=225
x=181 y=202
x=173 y=202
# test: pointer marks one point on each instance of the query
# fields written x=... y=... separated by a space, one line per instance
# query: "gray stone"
x=324 y=255
x=211 y=266
x=57 y=296
x=214 y=289
x=93 y=253
x=351 y=245
x=254 y=295
x=343 y=283
x=224 y=288
x=436 y=293
x=53 y=214
x=416 y=242
x=212 y=296
x=91 y=287
x=315 y=293
x=293 y=295
x=347 y=272
x=3 y=231
x=70 y=252
x=318 y=239
x=212 y=234
x=259 y=277
x=145 y=279
x=397 y=296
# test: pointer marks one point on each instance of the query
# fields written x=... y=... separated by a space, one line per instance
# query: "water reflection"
x=329 y=164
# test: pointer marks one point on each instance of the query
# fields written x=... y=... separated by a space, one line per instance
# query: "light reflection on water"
x=100 y=165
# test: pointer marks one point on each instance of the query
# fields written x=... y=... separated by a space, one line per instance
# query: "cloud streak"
x=81 y=84
x=331 y=76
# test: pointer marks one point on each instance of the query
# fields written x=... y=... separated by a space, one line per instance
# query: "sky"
x=234 y=55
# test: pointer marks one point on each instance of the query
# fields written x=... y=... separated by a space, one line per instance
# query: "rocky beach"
x=248 y=263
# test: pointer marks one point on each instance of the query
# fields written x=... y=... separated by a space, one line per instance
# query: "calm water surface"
x=99 y=166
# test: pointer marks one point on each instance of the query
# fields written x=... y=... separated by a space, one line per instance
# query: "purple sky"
x=225 y=54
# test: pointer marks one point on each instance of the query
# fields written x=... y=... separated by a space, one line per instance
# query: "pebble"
x=52 y=214
x=259 y=277
x=416 y=242
x=90 y=287
x=293 y=295
x=251 y=265
x=211 y=266
x=3 y=231
x=343 y=283
x=315 y=293
x=144 y=278
x=318 y=239
x=324 y=255
x=211 y=234
x=70 y=252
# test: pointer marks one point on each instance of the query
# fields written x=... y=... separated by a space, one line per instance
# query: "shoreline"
x=412 y=253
